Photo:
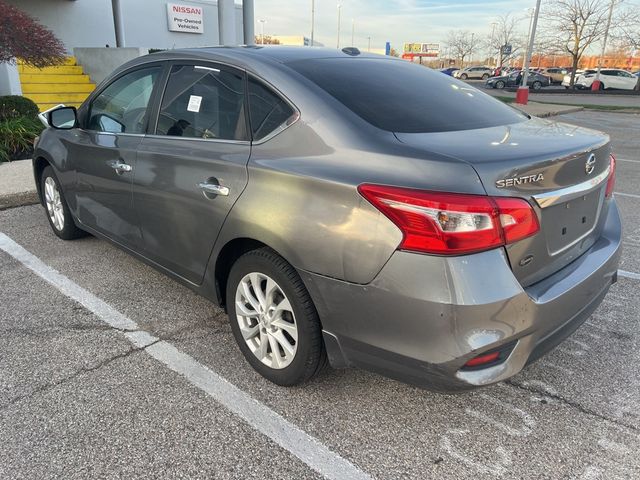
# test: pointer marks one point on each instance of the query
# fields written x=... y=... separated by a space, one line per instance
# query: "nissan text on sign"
x=183 y=18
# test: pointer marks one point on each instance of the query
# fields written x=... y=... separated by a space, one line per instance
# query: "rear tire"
x=485 y=76
x=55 y=204
x=273 y=318
x=537 y=85
x=464 y=76
x=500 y=84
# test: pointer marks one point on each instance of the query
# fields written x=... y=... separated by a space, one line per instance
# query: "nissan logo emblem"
x=590 y=166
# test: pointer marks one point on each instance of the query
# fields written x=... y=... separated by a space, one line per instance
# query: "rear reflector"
x=611 y=181
x=483 y=359
x=452 y=223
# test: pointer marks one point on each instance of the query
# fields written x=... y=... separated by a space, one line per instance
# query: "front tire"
x=464 y=76
x=273 y=318
x=537 y=85
x=499 y=84
x=485 y=76
x=58 y=212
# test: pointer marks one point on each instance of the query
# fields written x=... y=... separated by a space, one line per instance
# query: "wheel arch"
x=225 y=259
x=39 y=164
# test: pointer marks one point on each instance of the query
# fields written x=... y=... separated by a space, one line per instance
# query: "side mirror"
x=63 y=118
x=104 y=123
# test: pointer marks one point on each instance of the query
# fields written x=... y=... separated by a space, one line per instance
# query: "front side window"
x=203 y=102
x=122 y=106
x=267 y=111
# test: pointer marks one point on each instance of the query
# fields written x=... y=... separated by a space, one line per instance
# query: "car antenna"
x=351 y=51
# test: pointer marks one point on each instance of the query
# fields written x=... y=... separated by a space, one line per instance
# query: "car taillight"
x=611 y=181
x=452 y=223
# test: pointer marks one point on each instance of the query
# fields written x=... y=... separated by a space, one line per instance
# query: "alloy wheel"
x=54 y=203
x=266 y=320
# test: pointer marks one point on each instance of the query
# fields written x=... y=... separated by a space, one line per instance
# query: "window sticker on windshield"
x=194 y=103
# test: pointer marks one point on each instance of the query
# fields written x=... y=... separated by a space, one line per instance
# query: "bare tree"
x=576 y=25
x=506 y=33
x=460 y=43
x=626 y=34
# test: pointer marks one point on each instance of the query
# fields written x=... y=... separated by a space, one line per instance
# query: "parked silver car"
x=479 y=72
x=343 y=205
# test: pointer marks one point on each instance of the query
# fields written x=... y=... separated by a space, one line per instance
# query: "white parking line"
x=627 y=160
x=633 y=275
x=630 y=195
x=307 y=448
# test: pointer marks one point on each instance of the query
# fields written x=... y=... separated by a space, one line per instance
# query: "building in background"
x=101 y=35
x=144 y=23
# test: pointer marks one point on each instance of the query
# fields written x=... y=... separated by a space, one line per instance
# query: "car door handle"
x=214 y=189
x=120 y=167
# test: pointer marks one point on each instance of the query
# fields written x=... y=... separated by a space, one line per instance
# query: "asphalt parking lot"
x=557 y=94
x=110 y=369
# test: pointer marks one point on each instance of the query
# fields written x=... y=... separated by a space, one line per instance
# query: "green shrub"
x=16 y=137
x=15 y=106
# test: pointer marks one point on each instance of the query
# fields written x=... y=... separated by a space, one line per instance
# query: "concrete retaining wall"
x=98 y=63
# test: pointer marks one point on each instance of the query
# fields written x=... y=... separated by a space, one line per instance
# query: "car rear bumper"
x=423 y=317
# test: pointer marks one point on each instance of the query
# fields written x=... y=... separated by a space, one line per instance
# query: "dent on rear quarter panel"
x=302 y=201
x=315 y=223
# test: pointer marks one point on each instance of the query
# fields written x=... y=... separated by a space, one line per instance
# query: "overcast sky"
x=397 y=21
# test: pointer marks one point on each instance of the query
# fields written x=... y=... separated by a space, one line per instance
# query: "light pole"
x=522 y=96
x=353 y=29
x=493 y=36
x=596 y=83
x=368 y=44
x=313 y=18
x=526 y=52
x=338 y=42
x=471 y=49
x=262 y=22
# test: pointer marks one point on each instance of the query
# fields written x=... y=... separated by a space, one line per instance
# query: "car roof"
x=262 y=53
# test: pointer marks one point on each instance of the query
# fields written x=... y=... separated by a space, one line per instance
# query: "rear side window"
x=399 y=96
x=267 y=111
x=203 y=102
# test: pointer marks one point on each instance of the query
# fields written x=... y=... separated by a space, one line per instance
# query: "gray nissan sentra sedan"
x=343 y=207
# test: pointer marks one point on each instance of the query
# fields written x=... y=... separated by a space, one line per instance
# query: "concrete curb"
x=18 y=200
x=544 y=110
x=17 y=186
x=553 y=114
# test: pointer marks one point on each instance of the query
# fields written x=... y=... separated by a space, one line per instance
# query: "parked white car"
x=477 y=72
x=609 y=78
x=566 y=81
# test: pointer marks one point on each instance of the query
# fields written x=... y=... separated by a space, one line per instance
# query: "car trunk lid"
x=560 y=169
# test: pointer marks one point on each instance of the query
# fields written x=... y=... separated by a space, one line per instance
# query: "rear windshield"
x=398 y=96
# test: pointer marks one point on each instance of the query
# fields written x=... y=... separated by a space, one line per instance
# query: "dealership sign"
x=184 y=18
x=422 y=49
